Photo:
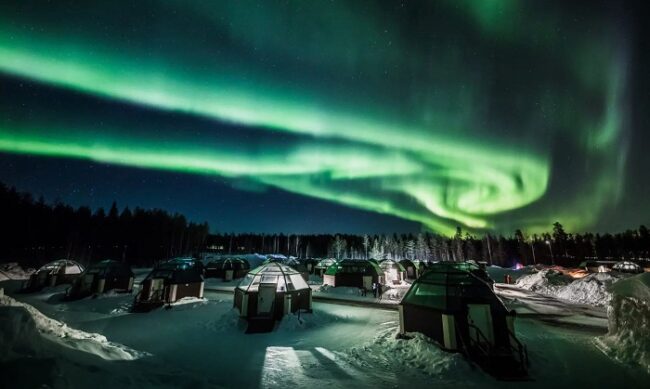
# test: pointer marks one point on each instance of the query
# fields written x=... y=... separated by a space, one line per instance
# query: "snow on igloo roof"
x=627 y=266
x=326 y=262
x=71 y=267
x=286 y=278
x=388 y=264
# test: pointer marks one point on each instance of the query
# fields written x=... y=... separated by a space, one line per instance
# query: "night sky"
x=337 y=116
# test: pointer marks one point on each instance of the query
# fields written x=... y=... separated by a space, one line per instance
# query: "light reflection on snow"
x=278 y=362
x=326 y=353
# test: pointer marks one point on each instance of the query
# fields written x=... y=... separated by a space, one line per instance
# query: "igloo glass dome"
x=286 y=278
x=68 y=266
x=627 y=267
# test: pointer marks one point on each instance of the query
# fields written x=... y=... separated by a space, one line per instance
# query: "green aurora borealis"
x=491 y=115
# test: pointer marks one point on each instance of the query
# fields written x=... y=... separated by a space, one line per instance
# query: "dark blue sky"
x=349 y=116
x=224 y=204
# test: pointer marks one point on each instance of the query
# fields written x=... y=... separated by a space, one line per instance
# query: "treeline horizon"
x=36 y=232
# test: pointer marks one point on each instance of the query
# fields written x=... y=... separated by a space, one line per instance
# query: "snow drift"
x=13 y=271
x=419 y=352
x=592 y=289
x=56 y=332
x=544 y=281
x=628 y=338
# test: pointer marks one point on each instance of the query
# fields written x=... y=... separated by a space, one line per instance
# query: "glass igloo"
x=271 y=291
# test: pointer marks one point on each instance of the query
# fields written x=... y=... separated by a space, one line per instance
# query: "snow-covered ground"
x=203 y=344
x=218 y=283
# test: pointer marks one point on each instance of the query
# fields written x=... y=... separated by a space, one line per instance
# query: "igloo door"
x=410 y=272
x=265 y=299
x=480 y=317
x=367 y=282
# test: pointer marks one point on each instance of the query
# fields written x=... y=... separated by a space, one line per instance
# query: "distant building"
x=322 y=265
x=394 y=272
x=102 y=277
x=169 y=282
x=226 y=268
x=413 y=268
x=58 y=272
x=356 y=273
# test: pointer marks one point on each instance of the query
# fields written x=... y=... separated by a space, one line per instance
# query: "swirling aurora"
x=447 y=114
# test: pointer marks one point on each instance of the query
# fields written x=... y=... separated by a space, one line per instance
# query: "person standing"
x=374 y=289
x=379 y=290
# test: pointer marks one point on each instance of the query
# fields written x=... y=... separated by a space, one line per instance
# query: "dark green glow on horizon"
x=418 y=143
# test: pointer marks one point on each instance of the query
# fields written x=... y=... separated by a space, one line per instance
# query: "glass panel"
x=459 y=278
x=246 y=281
x=269 y=278
x=72 y=269
x=289 y=285
x=298 y=282
x=436 y=277
x=429 y=295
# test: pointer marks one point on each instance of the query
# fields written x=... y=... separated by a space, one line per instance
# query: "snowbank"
x=60 y=333
x=544 y=281
x=591 y=289
x=18 y=334
x=419 y=352
x=13 y=271
x=628 y=339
